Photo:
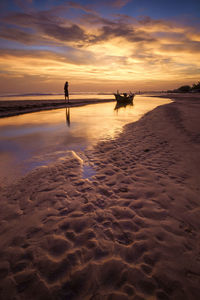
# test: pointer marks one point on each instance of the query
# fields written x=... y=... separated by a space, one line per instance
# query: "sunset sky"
x=98 y=45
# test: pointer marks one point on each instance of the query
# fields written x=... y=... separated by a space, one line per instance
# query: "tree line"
x=195 y=88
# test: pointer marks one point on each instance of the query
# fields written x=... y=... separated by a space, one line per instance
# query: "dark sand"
x=131 y=232
x=13 y=108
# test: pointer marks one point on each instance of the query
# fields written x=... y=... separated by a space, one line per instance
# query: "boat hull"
x=124 y=99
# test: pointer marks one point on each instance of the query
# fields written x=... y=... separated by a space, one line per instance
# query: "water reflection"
x=68 y=116
x=35 y=139
x=120 y=105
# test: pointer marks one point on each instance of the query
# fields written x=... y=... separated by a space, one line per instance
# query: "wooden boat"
x=124 y=98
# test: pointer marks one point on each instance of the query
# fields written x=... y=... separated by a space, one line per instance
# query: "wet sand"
x=13 y=108
x=131 y=231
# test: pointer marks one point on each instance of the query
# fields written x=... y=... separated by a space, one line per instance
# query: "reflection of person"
x=68 y=116
x=66 y=90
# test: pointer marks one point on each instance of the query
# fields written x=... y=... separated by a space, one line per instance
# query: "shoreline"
x=179 y=97
x=129 y=232
x=14 y=108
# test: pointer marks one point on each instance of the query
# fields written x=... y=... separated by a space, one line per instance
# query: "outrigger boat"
x=124 y=98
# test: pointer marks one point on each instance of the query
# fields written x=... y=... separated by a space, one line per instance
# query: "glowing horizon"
x=97 y=47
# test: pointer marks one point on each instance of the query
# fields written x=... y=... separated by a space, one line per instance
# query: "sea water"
x=54 y=96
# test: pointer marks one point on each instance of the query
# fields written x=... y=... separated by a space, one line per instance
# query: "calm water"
x=19 y=97
x=31 y=140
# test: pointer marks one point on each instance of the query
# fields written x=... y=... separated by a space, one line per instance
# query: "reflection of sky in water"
x=35 y=139
x=88 y=171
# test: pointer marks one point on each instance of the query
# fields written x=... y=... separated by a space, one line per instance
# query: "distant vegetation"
x=195 y=88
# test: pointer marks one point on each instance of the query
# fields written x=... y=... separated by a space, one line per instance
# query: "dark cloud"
x=185 y=47
x=43 y=23
x=31 y=19
x=26 y=53
x=148 y=21
x=21 y=36
x=117 y=19
x=72 y=33
x=122 y=18
x=121 y=26
x=17 y=35
x=121 y=30
x=94 y=19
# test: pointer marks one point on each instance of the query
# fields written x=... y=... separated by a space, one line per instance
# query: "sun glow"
x=96 y=51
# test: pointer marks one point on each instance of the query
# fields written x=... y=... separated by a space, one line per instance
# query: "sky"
x=98 y=45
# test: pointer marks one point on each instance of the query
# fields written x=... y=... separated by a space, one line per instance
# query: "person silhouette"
x=66 y=91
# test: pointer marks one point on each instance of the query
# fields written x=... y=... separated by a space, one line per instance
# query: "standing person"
x=66 y=91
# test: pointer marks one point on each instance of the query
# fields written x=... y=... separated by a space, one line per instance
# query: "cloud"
x=146 y=20
x=21 y=36
x=184 y=47
x=86 y=43
x=55 y=28
x=67 y=56
x=95 y=19
x=44 y=24
x=123 y=31
x=115 y=3
x=43 y=27
x=72 y=33
x=30 y=19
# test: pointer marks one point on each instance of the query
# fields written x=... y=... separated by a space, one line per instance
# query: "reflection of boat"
x=122 y=104
x=124 y=98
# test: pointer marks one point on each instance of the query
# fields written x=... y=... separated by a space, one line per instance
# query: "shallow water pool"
x=35 y=139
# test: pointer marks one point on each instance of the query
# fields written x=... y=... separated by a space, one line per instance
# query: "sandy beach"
x=18 y=107
x=129 y=232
